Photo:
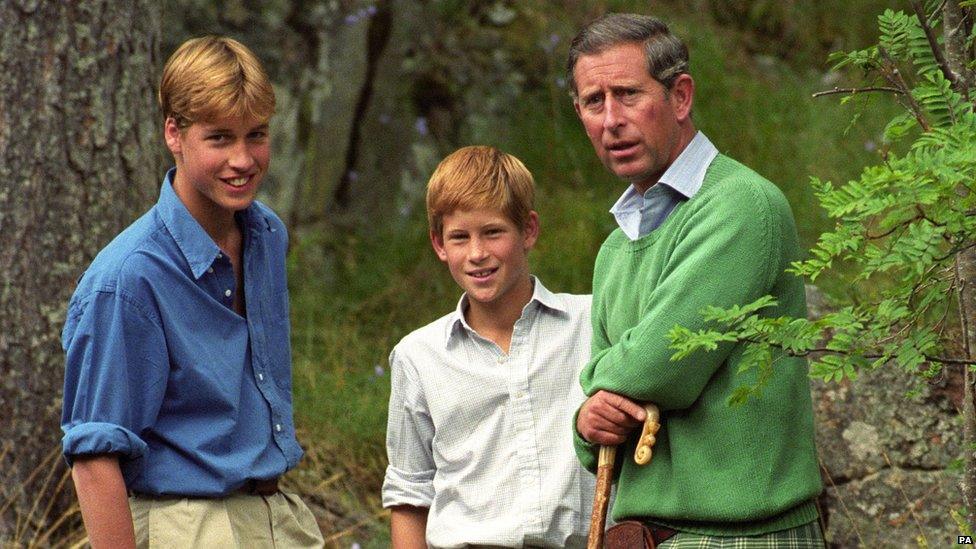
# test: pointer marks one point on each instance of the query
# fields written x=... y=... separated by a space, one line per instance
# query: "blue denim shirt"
x=193 y=398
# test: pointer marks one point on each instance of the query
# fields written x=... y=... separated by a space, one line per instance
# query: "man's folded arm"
x=724 y=256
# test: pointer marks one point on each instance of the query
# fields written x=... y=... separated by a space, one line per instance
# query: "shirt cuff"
x=101 y=438
x=587 y=452
x=405 y=488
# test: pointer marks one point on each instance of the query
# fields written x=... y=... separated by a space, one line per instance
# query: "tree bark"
x=958 y=56
x=966 y=280
x=79 y=159
x=958 y=21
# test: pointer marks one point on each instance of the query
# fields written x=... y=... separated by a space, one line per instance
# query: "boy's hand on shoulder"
x=607 y=418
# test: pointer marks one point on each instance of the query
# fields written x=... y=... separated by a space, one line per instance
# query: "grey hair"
x=666 y=54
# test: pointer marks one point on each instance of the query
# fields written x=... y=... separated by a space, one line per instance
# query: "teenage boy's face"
x=219 y=163
x=487 y=255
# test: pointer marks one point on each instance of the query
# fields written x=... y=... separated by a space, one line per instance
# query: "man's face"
x=634 y=123
x=487 y=255
x=219 y=164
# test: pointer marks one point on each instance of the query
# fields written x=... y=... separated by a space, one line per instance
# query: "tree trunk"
x=79 y=159
x=368 y=146
x=966 y=279
x=957 y=55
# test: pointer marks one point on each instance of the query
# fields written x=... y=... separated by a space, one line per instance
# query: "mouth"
x=482 y=274
x=237 y=182
x=621 y=149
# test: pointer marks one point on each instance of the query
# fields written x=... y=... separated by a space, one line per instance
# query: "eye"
x=592 y=102
x=258 y=135
x=218 y=138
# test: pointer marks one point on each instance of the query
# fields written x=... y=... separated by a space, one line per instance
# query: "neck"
x=495 y=321
x=686 y=133
x=216 y=221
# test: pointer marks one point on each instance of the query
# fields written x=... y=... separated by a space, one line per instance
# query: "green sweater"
x=716 y=469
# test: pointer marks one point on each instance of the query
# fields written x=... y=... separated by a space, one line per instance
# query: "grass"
x=33 y=506
x=341 y=376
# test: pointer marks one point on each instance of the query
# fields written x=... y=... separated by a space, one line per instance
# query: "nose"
x=241 y=158
x=612 y=118
x=477 y=251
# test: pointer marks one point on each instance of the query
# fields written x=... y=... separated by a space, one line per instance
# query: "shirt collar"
x=193 y=241
x=540 y=295
x=685 y=175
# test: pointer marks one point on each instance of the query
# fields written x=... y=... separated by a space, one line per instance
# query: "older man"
x=696 y=228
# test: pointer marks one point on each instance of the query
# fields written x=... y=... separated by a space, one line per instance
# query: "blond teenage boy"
x=481 y=397
x=177 y=412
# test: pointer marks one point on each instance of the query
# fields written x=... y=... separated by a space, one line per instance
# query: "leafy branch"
x=852 y=91
x=900 y=230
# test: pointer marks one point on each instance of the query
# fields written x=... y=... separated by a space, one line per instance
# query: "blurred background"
x=371 y=95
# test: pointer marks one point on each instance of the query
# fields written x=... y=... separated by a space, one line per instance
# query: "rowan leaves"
x=898 y=229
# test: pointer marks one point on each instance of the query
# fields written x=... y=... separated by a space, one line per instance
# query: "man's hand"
x=607 y=418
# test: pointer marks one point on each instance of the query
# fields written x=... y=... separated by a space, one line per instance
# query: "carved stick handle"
x=601 y=497
x=642 y=454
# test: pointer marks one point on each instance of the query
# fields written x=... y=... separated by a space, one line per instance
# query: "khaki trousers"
x=237 y=521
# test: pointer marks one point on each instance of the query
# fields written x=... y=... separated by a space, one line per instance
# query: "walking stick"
x=604 y=473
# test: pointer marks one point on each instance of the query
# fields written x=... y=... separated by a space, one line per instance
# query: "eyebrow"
x=220 y=129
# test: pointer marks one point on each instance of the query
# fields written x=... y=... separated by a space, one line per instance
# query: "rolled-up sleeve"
x=409 y=436
x=115 y=373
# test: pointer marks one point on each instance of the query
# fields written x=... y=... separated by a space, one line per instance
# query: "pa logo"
x=964 y=540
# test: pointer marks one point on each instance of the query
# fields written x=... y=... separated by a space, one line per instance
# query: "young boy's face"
x=487 y=254
x=219 y=163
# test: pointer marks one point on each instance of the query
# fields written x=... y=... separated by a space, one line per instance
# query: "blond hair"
x=477 y=178
x=214 y=77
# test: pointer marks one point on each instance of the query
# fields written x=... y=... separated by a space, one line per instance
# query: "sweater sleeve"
x=726 y=252
x=587 y=452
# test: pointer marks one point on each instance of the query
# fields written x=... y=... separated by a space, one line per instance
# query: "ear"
x=530 y=233
x=172 y=134
x=576 y=107
x=682 y=96
x=437 y=241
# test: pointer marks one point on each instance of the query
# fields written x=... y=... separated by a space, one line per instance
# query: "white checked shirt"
x=638 y=215
x=484 y=438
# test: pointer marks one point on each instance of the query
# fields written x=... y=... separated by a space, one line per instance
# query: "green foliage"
x=959 y=517
x=898 y=229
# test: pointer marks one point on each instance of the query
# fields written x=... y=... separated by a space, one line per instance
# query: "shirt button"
x=278 y=427
x=220 y=256
x=227 y=293
x=260 y=377
x=520 y=394
x=210 y=270
x=501 y=360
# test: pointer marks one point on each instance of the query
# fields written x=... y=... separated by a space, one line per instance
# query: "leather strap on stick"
x=604 y=473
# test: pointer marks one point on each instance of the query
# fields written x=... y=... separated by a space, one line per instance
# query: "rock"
x=817 y=304
x=886 y=460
